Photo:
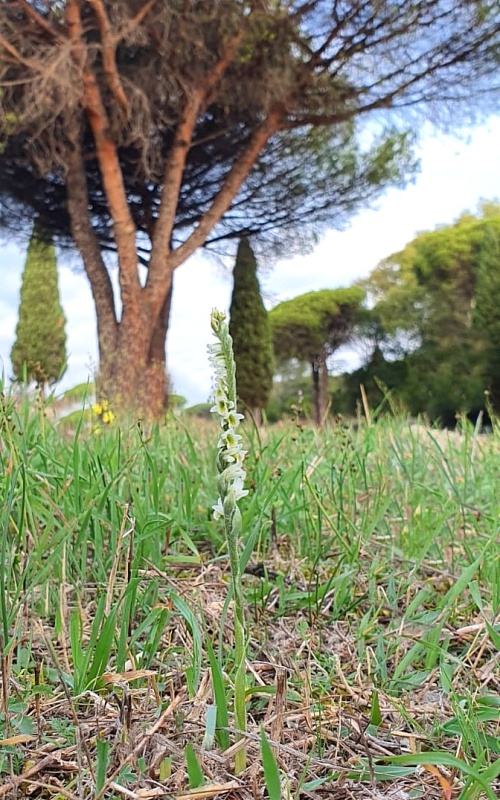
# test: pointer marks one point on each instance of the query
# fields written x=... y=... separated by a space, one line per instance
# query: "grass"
x=372 y=590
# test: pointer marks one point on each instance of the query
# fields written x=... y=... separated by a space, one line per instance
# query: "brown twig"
x=14 y=52
x=133 y=22
x=14 y=782
x=109 y=42
x=51 y=787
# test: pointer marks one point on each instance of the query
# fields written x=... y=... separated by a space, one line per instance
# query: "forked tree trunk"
x=132 y=359
x=133 y=377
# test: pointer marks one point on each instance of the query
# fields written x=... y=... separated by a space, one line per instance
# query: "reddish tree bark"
x=132 y=369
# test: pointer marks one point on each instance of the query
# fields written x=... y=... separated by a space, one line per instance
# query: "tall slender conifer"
x=249 y=327
x=39 y=351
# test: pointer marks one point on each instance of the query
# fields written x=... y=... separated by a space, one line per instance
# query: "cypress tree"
x=39 y=351
x=250 y=329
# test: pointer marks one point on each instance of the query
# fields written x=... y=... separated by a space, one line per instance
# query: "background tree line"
x=433 y=328
x=427 y=321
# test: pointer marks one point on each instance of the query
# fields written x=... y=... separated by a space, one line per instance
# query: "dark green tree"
x=380 y=371
x=39 y=351
x=436 y=304
x=487 y=311
x=311 y=328
x=250 y=329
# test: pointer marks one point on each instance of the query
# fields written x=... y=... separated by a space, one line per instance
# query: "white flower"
x=231 y=454
x=223 y=408
x=220 y=374
x=229 y=440
x=220 y=392
x=233 y=418
x=238 y=489
x=218 y=509
x=234 y=472
x=234 y=455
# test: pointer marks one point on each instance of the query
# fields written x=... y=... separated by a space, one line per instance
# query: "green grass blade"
x=219 y=697
x=79 y=660
x=375 y=713
x=210 y=726
x=270 y=767
x=194 y=627
x=194 y=770
x=437 y=758
x=102 y=749
x=102 y=651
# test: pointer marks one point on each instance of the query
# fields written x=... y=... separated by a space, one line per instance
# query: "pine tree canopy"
x=316 y=322
x=318 y=68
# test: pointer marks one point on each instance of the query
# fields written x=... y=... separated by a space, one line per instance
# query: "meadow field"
x=371 y=577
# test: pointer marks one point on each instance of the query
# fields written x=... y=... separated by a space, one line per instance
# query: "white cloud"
x=455 y=175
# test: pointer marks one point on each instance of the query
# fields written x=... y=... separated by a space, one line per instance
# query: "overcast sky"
x=455 y=175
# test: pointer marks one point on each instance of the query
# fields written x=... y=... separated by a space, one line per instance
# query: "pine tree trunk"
x=156 y=380
x=256 y=416
x=132 y=359
x=319 y=389
x=90 y=251
x=133 y=378
x=129 y=380
x=316 y=415
x=323 y=390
